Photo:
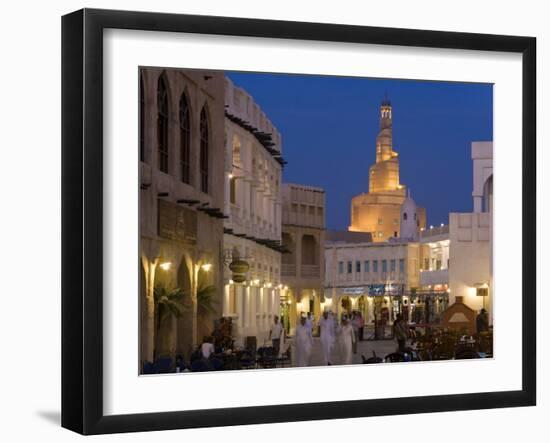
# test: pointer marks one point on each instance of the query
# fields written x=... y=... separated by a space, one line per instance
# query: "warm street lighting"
x=206 y=267
x=165 y=266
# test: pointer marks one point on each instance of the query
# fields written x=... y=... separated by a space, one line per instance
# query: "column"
x=239 y=306
x=226 y=202
x=254 y=310
x=262 y=312
x=225 y=307
x=246 y=308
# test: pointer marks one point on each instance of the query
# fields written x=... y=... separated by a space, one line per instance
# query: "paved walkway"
x=381 y=347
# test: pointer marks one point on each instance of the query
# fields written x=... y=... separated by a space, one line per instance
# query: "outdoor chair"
x=394 y=357
x=267 y=357
x=372 y=360
x=180 y=362
x=247 y=361
x=148 y=368
x=217 y=363
x=200 y=365
x=466 y=354
x=163 y=365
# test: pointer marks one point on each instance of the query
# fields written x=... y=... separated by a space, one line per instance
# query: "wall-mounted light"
x=206 y=267
x=230 y=176
x=165 y=266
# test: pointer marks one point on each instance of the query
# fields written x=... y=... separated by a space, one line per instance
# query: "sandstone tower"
x=379 y=210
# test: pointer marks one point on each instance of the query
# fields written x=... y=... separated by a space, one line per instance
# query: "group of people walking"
x=338 y=339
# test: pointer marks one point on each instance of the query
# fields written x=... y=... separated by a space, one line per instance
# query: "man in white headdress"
x=303 y=342
x=310 y=321
x=326 y=324
x=346 y=339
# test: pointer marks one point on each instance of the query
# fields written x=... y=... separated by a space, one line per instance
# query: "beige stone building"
x=374 y=278
x=181 y=201
x=252 y=231
x=303 y=267
x=378 y=211
x=457 y=258
x=471 y=237
x=433 y=294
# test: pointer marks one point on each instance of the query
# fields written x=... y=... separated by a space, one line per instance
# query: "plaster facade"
x=182 y=130
x=355 y=271
x=471 y=237
x=303 y=267
x=252 y=231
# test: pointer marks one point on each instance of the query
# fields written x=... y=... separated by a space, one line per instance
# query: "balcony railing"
x=288 y=270
x=436 y=277
x=434 y=232
x=307 y=271
x=311 y=271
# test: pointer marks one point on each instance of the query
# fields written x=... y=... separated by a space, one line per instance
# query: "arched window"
x=236 y=151
x=204 y=150
x=404 y=216
x=185 y=140
x=141 y=119
x=487 y=202
x=162 y=124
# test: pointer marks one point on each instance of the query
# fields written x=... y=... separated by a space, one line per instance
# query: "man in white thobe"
x=346 y=339
x=303 y=343
x=275 y=334
x=326 y=324
x=310 y=321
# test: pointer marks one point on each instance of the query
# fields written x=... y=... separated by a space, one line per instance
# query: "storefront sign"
x=176 y=223
x=377 y=290
x=394 y=289
x=354 y=291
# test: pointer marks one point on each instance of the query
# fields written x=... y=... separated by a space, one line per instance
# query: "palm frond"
x=206 y=299
x=169 y=301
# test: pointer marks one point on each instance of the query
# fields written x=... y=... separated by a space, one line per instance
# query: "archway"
x=143 y=313
x=487 y=202
x=346 y=304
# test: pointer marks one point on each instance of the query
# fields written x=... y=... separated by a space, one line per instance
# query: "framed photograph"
x=269 y=221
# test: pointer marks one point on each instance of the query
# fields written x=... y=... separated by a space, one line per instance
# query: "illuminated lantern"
x=239 y=268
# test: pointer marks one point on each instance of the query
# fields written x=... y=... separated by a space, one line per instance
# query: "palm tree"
x=206 y=300
x=167 y=303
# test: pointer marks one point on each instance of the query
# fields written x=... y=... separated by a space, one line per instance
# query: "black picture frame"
x=82 y=218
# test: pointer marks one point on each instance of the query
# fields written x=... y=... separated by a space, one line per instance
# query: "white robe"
x=346 y=339
x=327 y=338
x=303 y=343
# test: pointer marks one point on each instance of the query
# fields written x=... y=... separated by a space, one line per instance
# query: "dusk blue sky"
x=329 y=127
